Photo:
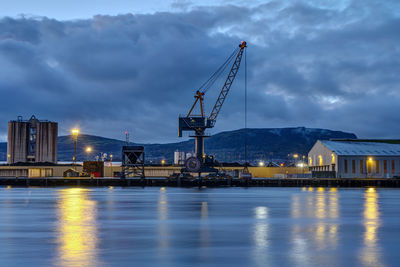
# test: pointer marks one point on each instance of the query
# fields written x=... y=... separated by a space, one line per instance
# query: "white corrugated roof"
x=346 y=148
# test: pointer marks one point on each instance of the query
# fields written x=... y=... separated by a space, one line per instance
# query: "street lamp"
x=75 y=133
x=261 y=164
x=89 y=150
x=163 y=162
x=295 y=156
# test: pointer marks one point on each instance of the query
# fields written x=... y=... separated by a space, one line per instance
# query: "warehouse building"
x=355 y=159
x=32 y=141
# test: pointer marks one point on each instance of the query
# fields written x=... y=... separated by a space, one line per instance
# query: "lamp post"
x=75 y=133
x=111 y=156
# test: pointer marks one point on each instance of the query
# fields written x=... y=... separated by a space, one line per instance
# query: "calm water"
x=198 y=227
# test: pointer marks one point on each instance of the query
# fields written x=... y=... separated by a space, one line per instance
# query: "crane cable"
x=245 y=108
x=207 y=85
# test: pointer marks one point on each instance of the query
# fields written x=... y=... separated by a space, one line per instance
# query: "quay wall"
x=150 y=171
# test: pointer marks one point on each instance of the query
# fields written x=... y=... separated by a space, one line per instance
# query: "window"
x=377 y=166
x=369 y=166
x=385 y=166
x=353 y=166
x=345 y=166
x=361 y=166
x=393 y=167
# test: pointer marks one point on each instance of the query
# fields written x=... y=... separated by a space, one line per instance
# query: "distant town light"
x=89 y=149
x=261 y=163
x=295 y=156
x=162 y=161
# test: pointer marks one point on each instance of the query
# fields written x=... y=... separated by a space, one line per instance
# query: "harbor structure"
x=179 y=157
x=355 y=158
x=32 y=140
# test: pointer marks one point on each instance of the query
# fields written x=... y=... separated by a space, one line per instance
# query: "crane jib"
x=225 y=89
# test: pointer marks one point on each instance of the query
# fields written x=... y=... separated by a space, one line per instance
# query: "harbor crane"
x=198 y=123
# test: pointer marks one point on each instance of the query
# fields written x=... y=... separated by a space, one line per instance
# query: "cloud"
x=329 y=66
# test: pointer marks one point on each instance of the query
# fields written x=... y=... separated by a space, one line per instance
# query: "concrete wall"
x=33 y=171
x=46 y=142
x=17 y=141
x=57 y=171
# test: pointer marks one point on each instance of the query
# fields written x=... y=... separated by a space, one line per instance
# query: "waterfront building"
x=179 y=157
x=355 y=158
x=32 y=141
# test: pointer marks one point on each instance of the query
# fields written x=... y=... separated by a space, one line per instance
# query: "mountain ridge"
x=262 y=144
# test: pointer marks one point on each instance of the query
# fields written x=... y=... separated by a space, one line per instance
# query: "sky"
x=107 y=66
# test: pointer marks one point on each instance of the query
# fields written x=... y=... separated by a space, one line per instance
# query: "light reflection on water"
x=320 y=206
x=198 y=227
x=77 y=221
x=163 y=230
x=371 y=253
x=260 y=235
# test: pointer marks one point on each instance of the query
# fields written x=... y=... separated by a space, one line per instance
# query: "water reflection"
x=322 y=206
x=204 y=227
x=370 y=254
x=204 y=210
x=77 y=228
x=326 y=210
x=162 y=208
x=260 y=235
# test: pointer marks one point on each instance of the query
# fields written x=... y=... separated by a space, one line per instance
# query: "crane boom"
x=228 y=83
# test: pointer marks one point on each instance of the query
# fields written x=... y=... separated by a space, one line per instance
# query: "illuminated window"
x=377 y=166
x=345 y=166
x=320 y=160
x=353 y=166
x=333 y=158
x=369 y=166
x=310 y=161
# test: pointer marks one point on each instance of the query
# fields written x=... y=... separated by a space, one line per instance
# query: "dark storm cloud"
x=333 y=66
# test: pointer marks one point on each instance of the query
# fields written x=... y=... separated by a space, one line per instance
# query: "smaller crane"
x=199 y=123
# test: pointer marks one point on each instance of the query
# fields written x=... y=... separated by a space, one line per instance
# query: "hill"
x=227 y=146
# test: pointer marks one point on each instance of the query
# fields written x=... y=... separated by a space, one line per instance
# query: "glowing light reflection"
x=162 y=207
x=322 y=206
x=260 y=235
x=371 y=255
x=77 y=228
